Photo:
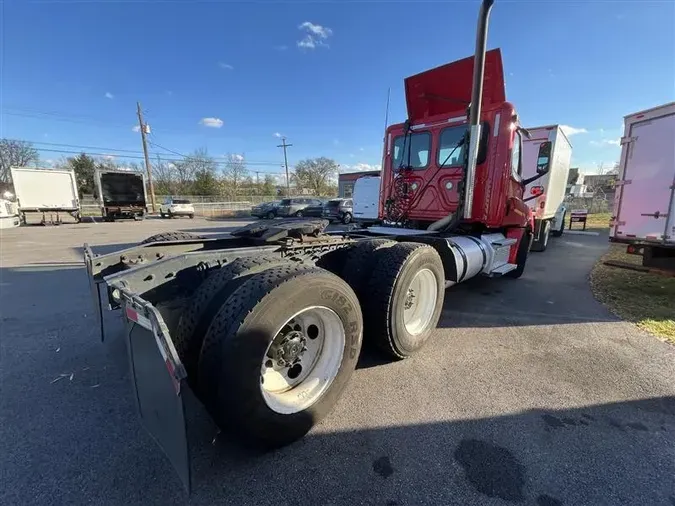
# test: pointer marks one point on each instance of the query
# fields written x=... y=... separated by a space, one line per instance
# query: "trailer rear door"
x=645 y=209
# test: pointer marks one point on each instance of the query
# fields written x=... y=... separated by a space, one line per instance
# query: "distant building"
x=346 y=181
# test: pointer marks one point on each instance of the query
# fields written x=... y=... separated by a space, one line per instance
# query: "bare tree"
x=187 y=171
x=234 y=174
x=315 y=174
x=15 y=154
x=164 y=177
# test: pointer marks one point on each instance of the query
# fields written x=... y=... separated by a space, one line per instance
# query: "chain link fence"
x=597 y=203
x=209 y=206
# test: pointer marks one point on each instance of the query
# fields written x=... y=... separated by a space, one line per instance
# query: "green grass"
x=646 y=299
x=598 y=220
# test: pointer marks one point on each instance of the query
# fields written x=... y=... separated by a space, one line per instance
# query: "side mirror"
x=544 y=158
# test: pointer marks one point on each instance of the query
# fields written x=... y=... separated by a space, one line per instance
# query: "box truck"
x=121 y=194
x=48 y=192
x=644 y=205
x=546 y=196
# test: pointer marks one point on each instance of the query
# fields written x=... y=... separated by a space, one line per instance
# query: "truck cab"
x=423 y=176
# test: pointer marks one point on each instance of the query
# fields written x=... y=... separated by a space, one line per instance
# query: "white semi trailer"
x=547 y=195
x=644 y=203
x=46 y=192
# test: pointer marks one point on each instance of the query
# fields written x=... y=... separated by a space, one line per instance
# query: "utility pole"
x=143 y=127
x=288 y=181
x=257 y=177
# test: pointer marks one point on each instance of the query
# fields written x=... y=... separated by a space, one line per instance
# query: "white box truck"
x=366 y=198
x=644 y=203
x=46 y=191
x=546 y=196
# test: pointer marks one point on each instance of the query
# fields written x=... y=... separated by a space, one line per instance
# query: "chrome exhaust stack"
x=475 y=107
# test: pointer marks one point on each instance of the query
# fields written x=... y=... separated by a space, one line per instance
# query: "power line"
x=140 y=157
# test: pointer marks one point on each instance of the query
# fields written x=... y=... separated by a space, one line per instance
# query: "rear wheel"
x=192 y=216
x=298 y=214
x=405 y=298
x=347 y=218
x=359 y=264
x=279 y=353
x=270 y=215
x=205 y=303
x=171 y=236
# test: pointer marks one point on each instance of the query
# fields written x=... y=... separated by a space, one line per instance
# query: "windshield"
x=181 y=201
x=286 y=202
x=412 y=151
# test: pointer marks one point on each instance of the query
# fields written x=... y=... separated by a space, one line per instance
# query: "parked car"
x=339 y=209
x=176 y=207
x=267 y=210
x=315 y=210
x=296 y=206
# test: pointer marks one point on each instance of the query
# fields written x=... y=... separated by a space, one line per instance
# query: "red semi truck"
x=265 y=325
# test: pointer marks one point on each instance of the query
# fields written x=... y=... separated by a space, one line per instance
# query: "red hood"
x=447 y=89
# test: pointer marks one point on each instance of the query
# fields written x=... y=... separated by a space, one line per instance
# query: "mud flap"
x=159 y=383
x=94 y=288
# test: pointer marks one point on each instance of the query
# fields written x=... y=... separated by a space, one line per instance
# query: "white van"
x=366 y=197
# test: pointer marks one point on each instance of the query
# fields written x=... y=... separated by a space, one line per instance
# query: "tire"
x=171 y=236
x=397 y=270
x=359 y=264
x=559 y=232
x=521 y=255
x=347 y=218
x=271 y=215
x=298 y=214
x=205 y=303
x=238 y=341
x=540 y=245
x=170 y=214
x=192 y=216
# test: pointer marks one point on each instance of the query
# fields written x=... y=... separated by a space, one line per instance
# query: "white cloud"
x=570 y=130
x=225 y=66
x=361 y=149
x=360 y=167
x=109 y=95
x=211 y=122
x=236 y=157
x=606 y=142
x=315 y=35
x=136 y=128
x=277 y=135
x=109 y=157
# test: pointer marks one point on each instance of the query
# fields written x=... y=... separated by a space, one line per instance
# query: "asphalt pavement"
x=530 y=392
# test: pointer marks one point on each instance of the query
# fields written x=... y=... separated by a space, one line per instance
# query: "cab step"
x=501 y=270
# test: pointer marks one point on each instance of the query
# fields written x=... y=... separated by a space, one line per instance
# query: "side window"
x=516 y=166
x=413 y=151
x=350 y=203
x=449 y=151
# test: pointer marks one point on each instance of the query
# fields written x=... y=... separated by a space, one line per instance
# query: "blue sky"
x=229 y=75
